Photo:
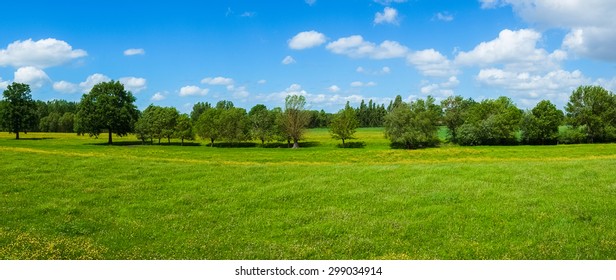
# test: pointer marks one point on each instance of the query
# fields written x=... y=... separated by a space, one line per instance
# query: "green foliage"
x=19 y=110
x=540 y=125
x=594 y=108
x=183 y=128
x=166 y=122
x=319 y=119
x=370 y=115
x=262 y=123
x=107 y=107
x=572 y=135
x=491 y=122
x=234 y=124
x=413 y=125
x=295 y=118
x=209 y=125
x=455 y=111
x=344 y=124
x=198 y=109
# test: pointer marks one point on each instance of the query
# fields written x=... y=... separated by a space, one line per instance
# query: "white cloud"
x=158 y=96
x=32 y=76
x=261 y=82
x=3 y=84
x=431 y=63
x=134 y=84
x=130 y=52
x=441 y=90
x=362 y=84
x=193 y=90
x=333 y=89
x=488 y=4
x=238 y=92
x=389 y=2
x=389 y=15
x=92 y=80
x=555 y=85
x=385 y=70
x=592 y=30
x=248 y=14
x=288 y=60
x=65 y=87
x=310 y=2
x=516 y=50
x=40 y=54
x=355 y=47
x=217 y=81
x=306 y=39
x=444 y=16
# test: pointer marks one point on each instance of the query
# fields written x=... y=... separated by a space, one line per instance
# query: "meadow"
x=64 y=196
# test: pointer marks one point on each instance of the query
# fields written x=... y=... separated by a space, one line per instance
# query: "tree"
x=66 y=122
x=198 y=109
x=234 y=124
x=594 y=109
x=208 y=125
x=295 y=118
x=183 y=128
x=455 y=109
x=108 y=107
x=540 y=125
x=167 y=120
x=144 y=126
x=413 y=125
x=19 y=109
x=262 y=123
x=491 y=122
x=343 y=124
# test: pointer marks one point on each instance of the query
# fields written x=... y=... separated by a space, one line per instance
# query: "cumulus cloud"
x=431 y=63
x=515 y=49
x=362 y=84
x=356 y=47
x=592 y=30
x=32 y=76
x=261 y=82
x=193 y=90
x=130 y=52
x=389 y=15
x=310 y=2
x=65 y=87
x=134 y=84
x=217 y=81
x=555 y=85
x=288 y=60
x=306 y=39
x=441 y=90
x=92 y=80
x=3 y=84
x=323 y=100
x=444 y=16
x=389 y=2
x=333 y=89
x=40 y=54
x=158 y=96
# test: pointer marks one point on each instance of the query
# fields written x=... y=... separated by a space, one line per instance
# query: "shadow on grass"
x=286 y=145
x=233 y=145
x=34 y=138
x=402 y=146
x=139 y=143
x=352 y=145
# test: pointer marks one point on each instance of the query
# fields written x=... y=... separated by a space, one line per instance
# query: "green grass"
x=67 y=197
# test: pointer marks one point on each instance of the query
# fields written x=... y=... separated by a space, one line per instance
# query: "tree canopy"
x=344 y=124
x=18 y=109
x=413 y=125
x=108 y=106
x=593 y=109
x=295 y=118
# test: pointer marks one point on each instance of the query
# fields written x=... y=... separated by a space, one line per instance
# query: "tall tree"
x=594 y=109
x=234 y=124
x=262 y=122
x=167 y=120
x=209 y=125
x=540 y=125
x=344 y=124
x=491 y=122
x=183 y=128
x=19 y=108
x=109 y=107
x=414 y=125
x=455 y=109
x=198 y=109
x=295 y=118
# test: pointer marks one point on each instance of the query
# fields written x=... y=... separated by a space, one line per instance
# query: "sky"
x=177 y=53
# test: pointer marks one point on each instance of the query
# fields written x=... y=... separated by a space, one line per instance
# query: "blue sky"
x=180 y=52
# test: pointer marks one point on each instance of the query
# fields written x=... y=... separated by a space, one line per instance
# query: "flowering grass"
x=64 y=196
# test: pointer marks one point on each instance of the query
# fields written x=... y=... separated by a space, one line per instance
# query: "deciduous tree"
x=19 y=109
x=295 y=118
x=344 y=124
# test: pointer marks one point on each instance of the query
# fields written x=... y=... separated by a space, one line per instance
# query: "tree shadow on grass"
x=34 y=138
x=234 y=145
x=352 y=145
x=139 y=143
x=286 y=145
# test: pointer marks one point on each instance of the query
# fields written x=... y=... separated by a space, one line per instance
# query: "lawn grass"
x=64 y=196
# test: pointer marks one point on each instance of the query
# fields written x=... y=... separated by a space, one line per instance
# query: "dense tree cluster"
x=590 y=117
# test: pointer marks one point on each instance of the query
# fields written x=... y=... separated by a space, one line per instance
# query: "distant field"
x=64 y=196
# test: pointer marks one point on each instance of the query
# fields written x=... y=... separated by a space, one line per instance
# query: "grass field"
x=64 y=196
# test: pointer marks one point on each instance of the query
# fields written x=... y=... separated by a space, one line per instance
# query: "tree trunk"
x=262 y=142
x=182 y=141
x=288 y=143
x=212 y=144
x=295 y=144
x=168 y=140
x=343 y=143
x=17 y=134
x=110 y=140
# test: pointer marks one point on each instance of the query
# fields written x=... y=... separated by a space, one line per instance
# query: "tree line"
x=589 y=117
